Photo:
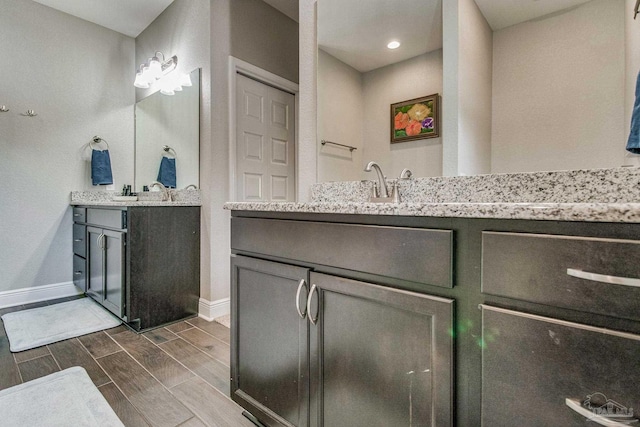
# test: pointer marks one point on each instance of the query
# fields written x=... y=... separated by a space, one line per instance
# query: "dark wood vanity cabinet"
x=545 y=331
x=79 y=249
x=105 y=267
x=142 y=263
x=545 y=370
x=317 y=349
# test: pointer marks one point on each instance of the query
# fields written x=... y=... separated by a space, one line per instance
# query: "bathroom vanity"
x=140 y=262
x=362 y=314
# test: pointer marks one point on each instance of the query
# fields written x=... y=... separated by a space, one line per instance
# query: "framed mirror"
x=171 y=121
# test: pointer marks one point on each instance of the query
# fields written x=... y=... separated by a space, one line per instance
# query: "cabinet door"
x=113 y=247
x=379 y=356
x=95 y=276
x=269 y=341
x=542 y=371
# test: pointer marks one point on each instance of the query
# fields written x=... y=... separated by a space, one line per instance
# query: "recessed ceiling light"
x=393 y=45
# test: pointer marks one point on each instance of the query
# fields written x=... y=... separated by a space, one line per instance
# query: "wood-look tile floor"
x=172 y=376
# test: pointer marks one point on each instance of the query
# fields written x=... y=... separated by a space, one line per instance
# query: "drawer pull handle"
x=300 y=286
x=598 y=419
x=77 y=214
x=614 y=280
x=77 y=240
x=313 y=321
x=78 y=273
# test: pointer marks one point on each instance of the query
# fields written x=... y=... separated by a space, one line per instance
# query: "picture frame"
x=416 y=118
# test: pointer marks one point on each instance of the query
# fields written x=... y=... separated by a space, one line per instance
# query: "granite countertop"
x=136 y=203
x=105 y=198
x=595 y=212
x=597 y=195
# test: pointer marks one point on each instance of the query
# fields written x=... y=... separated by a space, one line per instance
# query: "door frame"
x=263 y=76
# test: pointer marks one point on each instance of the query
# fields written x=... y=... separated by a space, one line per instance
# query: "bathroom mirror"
x=558 y=84
x=359 y=77
x=169 y=121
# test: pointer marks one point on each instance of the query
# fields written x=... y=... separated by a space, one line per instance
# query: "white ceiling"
x=504 y=13
x=128 y=17
x=357 y=32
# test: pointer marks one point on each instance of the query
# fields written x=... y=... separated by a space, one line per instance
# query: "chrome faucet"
x=382 y=184
x=166 y=196
x=191 y=187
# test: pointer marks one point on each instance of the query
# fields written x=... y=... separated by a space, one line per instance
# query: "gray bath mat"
x=44 y=325
x=66 y=398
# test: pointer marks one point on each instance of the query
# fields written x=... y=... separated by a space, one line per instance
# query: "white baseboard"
x=209 y=310
x=37 y=294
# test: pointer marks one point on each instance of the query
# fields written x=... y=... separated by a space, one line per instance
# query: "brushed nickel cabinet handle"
x=78 y=273
x=77 y=240
x=313 y=321
x=300 y=286
x=603 y=278
x=575 y=405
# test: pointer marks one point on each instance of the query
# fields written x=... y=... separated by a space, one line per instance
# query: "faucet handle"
x=374 y=190
x=396 y=193
x=405 y=174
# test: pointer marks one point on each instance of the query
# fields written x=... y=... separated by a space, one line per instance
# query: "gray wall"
x=77 y=76
x=340 y=101
x=558 y=92
x=413 y=78
x=183 y=29
x=264 y=37
x=260 y=35
x=353 y=109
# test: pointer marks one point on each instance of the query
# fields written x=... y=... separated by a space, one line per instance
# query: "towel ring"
x=168 y=150
x=98 y=140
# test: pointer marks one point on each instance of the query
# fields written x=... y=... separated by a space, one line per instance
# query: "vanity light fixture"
x=394 y=44
x=154 y=69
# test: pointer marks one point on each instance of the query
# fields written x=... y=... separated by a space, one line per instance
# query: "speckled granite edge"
x=615 y=185
x=150 y=198
x=590 y=212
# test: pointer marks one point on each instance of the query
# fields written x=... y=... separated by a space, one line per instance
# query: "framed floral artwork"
x=415 y=119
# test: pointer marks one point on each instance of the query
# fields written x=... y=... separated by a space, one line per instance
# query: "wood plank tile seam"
x=210 y=345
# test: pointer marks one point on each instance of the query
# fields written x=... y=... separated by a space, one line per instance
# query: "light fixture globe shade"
x=140 y=81
x=155 y=68
x=166 y=86
x=185 y=80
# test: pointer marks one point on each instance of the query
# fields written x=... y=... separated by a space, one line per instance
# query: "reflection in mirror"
x=558 y=85
x=359 y=78
x=172 y=121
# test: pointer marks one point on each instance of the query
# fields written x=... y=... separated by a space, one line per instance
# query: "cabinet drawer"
x=531 y=365
x=80 y=273
x=413 y=254
x=79 y=214
x=79 y=240
x=108 y=218
x=541 y=268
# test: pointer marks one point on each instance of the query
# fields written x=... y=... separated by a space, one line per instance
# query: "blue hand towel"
x=167 y=172
x=101 y=167
x=633 y=143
